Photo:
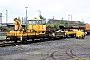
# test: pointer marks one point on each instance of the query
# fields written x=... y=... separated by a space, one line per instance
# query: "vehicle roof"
x=34 y=19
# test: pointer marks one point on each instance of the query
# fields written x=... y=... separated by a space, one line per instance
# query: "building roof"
x=52 y=21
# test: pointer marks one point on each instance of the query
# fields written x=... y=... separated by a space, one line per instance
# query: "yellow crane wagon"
x=36 y=28
x=15 y=34
x=75 y=31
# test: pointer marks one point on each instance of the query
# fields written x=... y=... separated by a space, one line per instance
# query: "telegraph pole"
x=70 y=16
x=26 y=17
x=68 y=20
x=0 y=22
x=6 y=16
x=53 y=17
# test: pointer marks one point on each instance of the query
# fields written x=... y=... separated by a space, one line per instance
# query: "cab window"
x=32 y=22
x=39 y=22
x=43 y=22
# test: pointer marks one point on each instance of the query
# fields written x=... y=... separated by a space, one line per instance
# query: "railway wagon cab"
x=36 y=24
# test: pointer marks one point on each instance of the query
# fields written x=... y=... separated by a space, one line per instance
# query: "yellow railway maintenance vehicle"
x=75 y=31
x=35 y=29
x=69 y=31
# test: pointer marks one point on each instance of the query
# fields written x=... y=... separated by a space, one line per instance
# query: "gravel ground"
x=63 y=49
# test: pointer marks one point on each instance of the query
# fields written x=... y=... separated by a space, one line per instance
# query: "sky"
x=78 y=9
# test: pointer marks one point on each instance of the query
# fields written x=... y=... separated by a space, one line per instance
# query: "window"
x=43 y=22
x=30 y=22
x=34 y=22
x=39 y=22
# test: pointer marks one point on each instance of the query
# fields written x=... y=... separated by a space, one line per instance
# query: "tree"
x=62 y=22
x=66 y=23
x=41 y=17
x=80 y=23
x=74 y=24
x=48 y=25
x=56 y=26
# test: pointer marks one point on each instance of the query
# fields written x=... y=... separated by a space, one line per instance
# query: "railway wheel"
x=11 y=39
x=33 y=40
x=72 y=36
x=41 y=39
x=66 y=36
x=49 y=38
x=82 y=37
x=76 y=37
x=15 y=40
x=23 y=40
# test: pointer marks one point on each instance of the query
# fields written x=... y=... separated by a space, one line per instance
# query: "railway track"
x=10 y=43
x=4 y=42
x=69 y=53
x=60 y=52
